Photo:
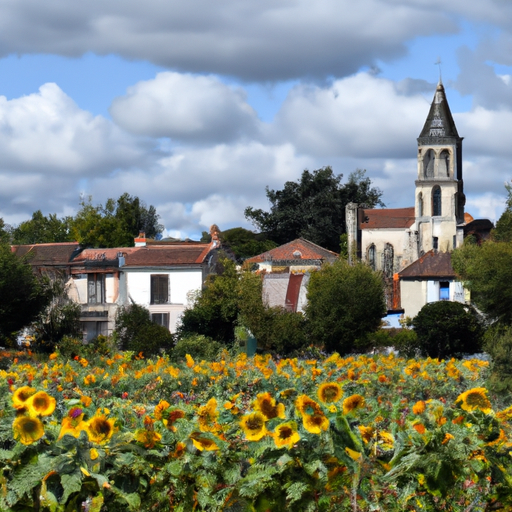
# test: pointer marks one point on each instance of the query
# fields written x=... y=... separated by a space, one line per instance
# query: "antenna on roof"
x=438 y=63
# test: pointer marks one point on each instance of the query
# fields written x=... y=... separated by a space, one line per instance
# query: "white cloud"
x=187 y=108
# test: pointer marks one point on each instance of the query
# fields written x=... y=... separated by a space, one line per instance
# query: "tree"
x=116 y=224
x=23 y=295
x=135 y=331
x=40 y=229
x=244 y=243
x=345 y=304
x=447 y=329
x=314 y=207
x=5 y=232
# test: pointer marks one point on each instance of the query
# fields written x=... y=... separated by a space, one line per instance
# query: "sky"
x=196 y=107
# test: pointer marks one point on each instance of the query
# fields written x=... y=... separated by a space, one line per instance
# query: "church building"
x=411 y=246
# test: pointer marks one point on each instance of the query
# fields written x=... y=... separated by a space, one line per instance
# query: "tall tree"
x=41 y=229
x=345 y=304
x=314 y=207
x=116 y=224
x=23 y=295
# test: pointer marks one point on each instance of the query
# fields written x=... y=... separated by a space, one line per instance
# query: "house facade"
x=406 y=244
x=161 y=276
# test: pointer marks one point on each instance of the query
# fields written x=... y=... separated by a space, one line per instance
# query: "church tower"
x=439 y=207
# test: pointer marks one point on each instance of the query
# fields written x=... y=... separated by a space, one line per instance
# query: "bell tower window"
x=420 y=205
x=436 y=201
x=428 y=163
x=444 y=163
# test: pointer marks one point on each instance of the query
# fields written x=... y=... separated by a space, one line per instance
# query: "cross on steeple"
x=438 y=63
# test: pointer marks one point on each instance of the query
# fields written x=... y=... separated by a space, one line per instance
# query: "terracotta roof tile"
x=431 y=264
x=387 y=218
x=168 y=255
x=47 y=254
x=308 y=251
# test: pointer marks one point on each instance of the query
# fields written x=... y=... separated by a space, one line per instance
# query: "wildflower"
x=265 y=404
x=353 y=454
x=306 y=405
x=93 y=454
x=366 y=433
x=147 y=435
x=329 y=392
x=203 y=443
x=73 y=423
x=419 y=427
x=385 y=440
x=53 y=356
x=352 y=403
x=473 y=399
x=89 y=379
x=41 y=404
x=172 y=416
x=315 y=423
x=28 y=430
x=21 y=395
x=208 y=416
x=100 y=428
x=86 y=400
x=447 y=437
x=286 y=435
x=418 y=407
x=190 y=360
x=253 y=425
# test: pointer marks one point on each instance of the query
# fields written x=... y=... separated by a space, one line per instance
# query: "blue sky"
x=197 y=107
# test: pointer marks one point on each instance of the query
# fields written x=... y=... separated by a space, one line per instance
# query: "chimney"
x=140 y=241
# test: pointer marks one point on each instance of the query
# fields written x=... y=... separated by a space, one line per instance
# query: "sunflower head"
x=147 y=437
x=253 y=425
x=329 y=392
x=352 y=403
x=100 y=428
x=202 y=442
x=306 y=405
x=315 y=423
x=265 y=404
x=41 y=404
x=208 y=416
x=28 y=430
x=475 y=399
x=21 y=395
x=160 y=408
x=286 y=435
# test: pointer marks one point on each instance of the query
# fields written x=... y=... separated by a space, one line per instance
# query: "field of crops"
x=366 y=433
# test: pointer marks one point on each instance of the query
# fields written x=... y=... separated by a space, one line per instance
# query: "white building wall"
x=110 y=289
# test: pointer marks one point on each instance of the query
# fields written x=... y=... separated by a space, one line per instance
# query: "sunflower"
x=306 y=405
x=160 y=408
x=202 y=442
x=208 y=416
x=73 y=423
x=100 y=428
x=253 y=425
x=315 y=423
x=27 y=429
x=352 y=403
x=265 y=404
x=147 y=437
x=286 y=435
x=329 y=392
x=172 y=416
x=473 y=399
x=21 y=395
x=366 y=433
x=41 y=404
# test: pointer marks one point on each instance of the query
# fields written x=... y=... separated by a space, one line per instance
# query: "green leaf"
x=71 y=483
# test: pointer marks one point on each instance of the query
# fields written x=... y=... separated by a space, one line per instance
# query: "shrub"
x=198 y=346
x=136 y=332
x=498 y=344
x=448 y=329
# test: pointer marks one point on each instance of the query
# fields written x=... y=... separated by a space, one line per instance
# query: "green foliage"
x=198 y=346
x=216 y=307
x=69 y=347
x=498 y=344
x=447 y=329
x=116 y=224
x=23 y=295
x=5 y=232
x=314 y=207
x=134 y=331
x=486 y=272
x=244 y=243
x=41 y=229
x=345 y=304
x=60 y=318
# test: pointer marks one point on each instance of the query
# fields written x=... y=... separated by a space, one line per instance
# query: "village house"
x=161 y=276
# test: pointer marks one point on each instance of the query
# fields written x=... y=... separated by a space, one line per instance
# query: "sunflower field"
x=362 y=433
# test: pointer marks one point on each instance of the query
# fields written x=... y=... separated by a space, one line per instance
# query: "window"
x=161 y=319
x=435 y=243
x=95 y=288
x=444 y=163
x=436 y=201
x=444 y=290
x=420 y=205
x=159 y=289
x=428 y=164
x=371 y=256
x=388 y=261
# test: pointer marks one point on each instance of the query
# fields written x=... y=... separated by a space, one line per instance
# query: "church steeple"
x=439 y=188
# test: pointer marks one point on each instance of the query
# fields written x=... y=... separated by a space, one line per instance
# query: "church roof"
x=387 y=218
x=439 y=123
x=432 y=264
